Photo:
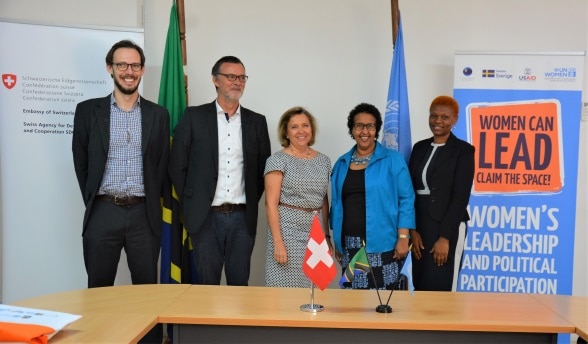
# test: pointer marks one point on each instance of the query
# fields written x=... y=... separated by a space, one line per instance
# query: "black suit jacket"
x=194 y=162
x=451 y=177
x=91 y=139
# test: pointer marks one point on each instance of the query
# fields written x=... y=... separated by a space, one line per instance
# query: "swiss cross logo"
x=9 y=80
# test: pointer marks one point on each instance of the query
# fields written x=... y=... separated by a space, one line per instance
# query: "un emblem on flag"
x=391 y=125
x=390 y=140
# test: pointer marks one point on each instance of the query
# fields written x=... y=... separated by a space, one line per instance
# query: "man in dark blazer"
x=216 y=166
x=121 y=153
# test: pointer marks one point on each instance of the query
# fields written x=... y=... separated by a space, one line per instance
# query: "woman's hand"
x=280 y=253
x=417 y=243
x=401 y=249
x=440 y=251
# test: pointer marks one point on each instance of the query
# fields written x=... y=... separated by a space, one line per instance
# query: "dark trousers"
x=223 y=240
x=111 y=228
x=426 y=274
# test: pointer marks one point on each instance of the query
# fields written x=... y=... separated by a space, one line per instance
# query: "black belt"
x=119 y=200
x=227 y=208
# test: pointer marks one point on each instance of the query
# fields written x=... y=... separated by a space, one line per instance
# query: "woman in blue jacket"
x=372 y=203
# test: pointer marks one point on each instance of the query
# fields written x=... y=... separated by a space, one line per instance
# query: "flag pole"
x=312 y=307
x=312 y=295
x=191 y=277
x=397 y=284
x=381 y=308
x=182 y=27
x=394 y=10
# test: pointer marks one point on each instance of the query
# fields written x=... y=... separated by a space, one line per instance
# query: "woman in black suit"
x=442 y=172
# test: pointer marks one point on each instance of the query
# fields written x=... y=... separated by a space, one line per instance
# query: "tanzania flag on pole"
x=397 y=119
x=175 y=244
x=358 y=264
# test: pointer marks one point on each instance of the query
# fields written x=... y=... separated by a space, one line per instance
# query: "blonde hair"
x=283 y=124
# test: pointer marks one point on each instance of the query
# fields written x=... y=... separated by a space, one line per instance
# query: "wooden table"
x=258 y=314
x=572 y=308
x=106 y=328
x=123 y=314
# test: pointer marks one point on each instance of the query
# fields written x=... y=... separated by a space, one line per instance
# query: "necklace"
x=301 y=157
x=362 y=160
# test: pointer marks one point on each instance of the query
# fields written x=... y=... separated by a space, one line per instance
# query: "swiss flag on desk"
x=318 y=264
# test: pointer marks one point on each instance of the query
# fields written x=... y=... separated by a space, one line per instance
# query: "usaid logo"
x=527 y=75
x=9 y=80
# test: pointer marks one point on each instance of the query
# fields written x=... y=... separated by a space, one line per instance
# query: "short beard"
x=127 y=91
x=228 y=97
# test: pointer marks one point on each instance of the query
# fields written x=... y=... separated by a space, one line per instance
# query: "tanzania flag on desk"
x=358 y=264
x=176 y=249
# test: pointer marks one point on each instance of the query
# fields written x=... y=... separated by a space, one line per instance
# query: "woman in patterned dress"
x=296 y=184
x=372 y=203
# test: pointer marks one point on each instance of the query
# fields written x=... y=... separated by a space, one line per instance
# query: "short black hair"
x=364 y=108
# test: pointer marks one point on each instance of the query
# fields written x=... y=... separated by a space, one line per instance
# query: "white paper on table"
x=33 y=316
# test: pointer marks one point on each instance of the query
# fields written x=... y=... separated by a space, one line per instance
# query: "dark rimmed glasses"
x=361 y=126
x=233 y=77
x=122 y=66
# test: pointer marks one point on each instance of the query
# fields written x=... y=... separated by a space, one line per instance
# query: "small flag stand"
x=318 y=264
x=312 y=307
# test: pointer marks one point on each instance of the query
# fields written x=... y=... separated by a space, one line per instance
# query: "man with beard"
x=121 y=150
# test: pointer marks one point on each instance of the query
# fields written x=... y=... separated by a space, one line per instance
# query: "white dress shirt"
x=230 y=186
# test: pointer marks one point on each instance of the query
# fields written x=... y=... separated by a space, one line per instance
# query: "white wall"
x=329 y=55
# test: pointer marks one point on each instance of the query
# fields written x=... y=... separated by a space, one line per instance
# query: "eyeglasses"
x=122 y=66
x=361 y=126
x=233 y=77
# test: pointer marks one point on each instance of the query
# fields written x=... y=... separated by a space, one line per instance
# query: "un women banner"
x=522 y=113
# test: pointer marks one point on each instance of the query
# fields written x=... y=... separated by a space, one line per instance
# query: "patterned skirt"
x=385 y=270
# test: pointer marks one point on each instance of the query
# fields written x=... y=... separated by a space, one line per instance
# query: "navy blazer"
x=90 y=143
x=194 y=162
x=450 y=182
